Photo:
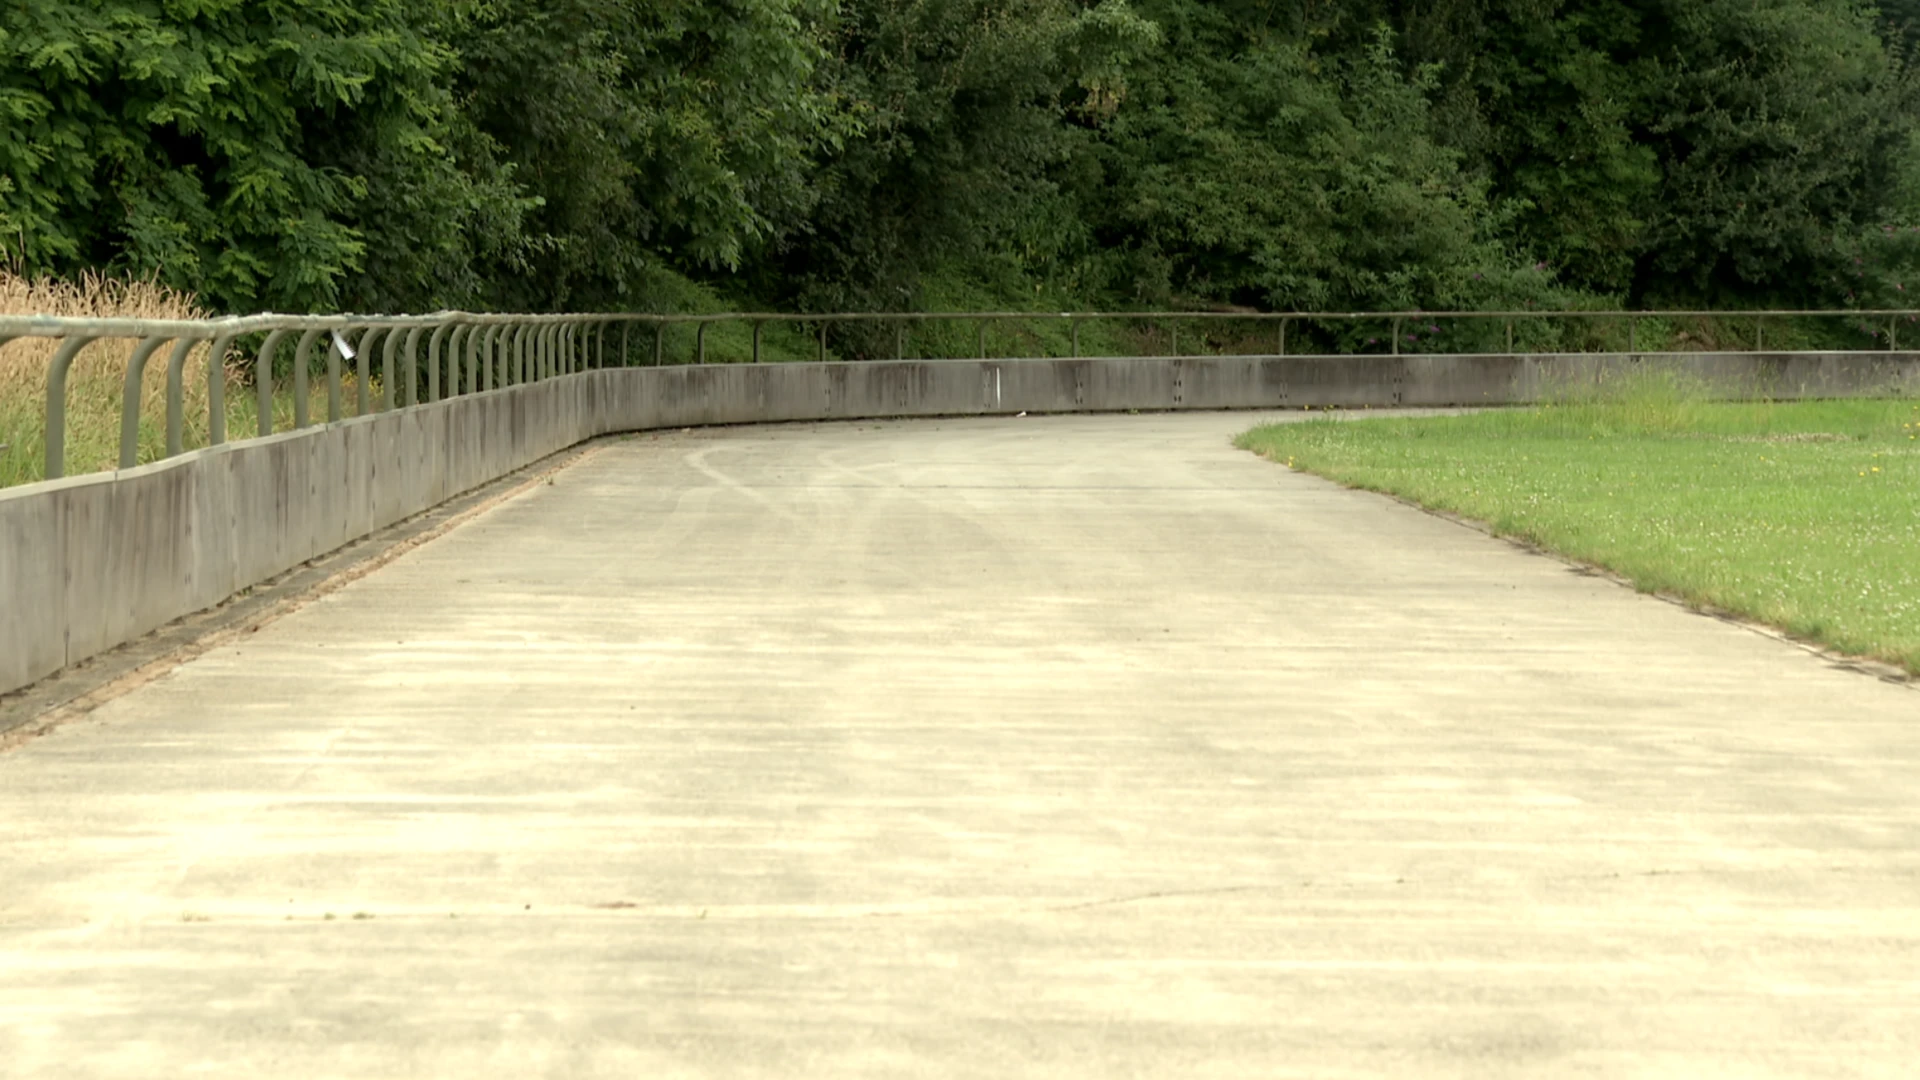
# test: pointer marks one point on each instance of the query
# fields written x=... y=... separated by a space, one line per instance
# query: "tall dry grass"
x=94 y=384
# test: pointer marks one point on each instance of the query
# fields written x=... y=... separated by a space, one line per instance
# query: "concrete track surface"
x=1051 y=747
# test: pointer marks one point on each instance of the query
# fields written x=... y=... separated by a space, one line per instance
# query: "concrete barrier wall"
x=89 y=562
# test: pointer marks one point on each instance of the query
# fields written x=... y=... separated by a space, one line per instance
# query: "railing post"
x=466 y=354
x=387 y=394
x=1174 y=340
x=1280 y=344
x=442 y=335
x=263 y=383
x=217 y=390
x=700 y=344
x=756 y=340
x=477 y=348
x=463 y=372
x=56 y=442
x=176 y=393
x=410 y=364
x=130 y=401
x=626 y=340
x=659 y=343
x=1509 y=337
x=302 y=357
x=362 y=371
x=823 y=341
x=334 y=357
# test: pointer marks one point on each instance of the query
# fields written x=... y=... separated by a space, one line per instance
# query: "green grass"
x=93 y=426
x=1805 y=516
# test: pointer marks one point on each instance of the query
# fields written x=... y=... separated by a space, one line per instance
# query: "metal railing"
x=473 y=353
x=477 y=353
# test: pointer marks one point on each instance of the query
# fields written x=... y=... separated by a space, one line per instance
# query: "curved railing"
x=468 y=353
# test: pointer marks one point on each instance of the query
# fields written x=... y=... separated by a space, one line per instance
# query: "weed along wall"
x=90 y=562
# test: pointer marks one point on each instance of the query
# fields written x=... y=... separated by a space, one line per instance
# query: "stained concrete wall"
x=91 y=561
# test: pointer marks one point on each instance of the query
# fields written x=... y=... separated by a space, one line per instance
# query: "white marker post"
x=340 y=351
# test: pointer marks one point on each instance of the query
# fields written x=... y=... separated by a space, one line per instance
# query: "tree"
x=1781 y=128
x=202 y=143
x=1673 y=151
x=972 y=119
x=678 y=132
x=1248 y=169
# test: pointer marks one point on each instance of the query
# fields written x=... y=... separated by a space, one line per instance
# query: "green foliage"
x=968 y=115
x=1249 y=170
x=1778 y=123
x=540 y=154
x=1683 y=152
x=201 y=141
x=383 y=155
x=1549 y=92
x=680 y=131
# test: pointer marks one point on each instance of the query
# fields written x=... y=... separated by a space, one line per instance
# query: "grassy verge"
x=94 y=383
x=1805 y=516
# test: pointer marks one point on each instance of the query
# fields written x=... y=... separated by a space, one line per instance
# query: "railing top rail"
x=16 y=326
x=235 y=325
x=415 y=365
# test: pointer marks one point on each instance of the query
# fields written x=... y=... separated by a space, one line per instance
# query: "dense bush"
x=373 y=154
